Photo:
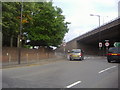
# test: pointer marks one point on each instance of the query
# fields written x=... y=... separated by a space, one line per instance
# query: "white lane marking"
x=106 y=69
x=69 y=86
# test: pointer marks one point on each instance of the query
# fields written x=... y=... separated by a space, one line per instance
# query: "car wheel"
x=82 y=58
x=70 y=59
x=109 y=60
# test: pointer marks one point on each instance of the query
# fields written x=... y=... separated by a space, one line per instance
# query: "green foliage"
x=10 y=23
x=27 y=46
x=43 y=24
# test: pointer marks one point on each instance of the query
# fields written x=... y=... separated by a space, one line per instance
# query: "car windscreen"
x=114 y=50
x=76 y=51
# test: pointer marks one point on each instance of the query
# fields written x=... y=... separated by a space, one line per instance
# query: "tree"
x=49 y=27
x=11 y=21
x=43 y=24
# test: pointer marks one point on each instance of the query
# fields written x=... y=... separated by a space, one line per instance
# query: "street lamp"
x=99 y=31
x=64 y=45
x=104 y=21
x=97 y=16
x=99 y=25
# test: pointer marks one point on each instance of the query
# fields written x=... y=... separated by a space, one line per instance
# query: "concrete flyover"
x=89 y=41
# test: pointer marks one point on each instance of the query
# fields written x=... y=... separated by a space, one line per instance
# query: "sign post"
x=107 y=44
x=100 y=45
x=64 y=44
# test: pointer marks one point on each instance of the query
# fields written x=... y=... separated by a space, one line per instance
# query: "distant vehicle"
x=76 y=54
x=113 y=54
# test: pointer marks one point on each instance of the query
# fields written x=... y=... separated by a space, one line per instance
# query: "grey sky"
x=78 y=13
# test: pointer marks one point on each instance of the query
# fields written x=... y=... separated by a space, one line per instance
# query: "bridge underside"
x=111 y=34
x=91 y=43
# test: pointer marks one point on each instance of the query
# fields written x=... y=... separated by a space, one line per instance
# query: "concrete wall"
x=69 y=46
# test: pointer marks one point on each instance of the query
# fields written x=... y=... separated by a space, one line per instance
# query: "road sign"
x=107 y=44
x=117 y=44
x=100 y=44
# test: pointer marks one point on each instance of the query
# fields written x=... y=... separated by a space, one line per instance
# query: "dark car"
x=76 y=54
x=113 y=54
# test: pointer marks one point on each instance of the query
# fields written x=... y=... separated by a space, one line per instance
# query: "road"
x=89 y=73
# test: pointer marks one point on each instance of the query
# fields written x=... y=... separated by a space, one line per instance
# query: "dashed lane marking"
x=107 y=69
x=71 y=85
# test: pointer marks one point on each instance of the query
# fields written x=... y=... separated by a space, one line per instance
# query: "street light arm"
x=94 y=15
x=97 y=16
x=91 y=15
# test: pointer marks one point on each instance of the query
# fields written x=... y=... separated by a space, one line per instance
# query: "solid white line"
x=69 y=86
x=106 y=69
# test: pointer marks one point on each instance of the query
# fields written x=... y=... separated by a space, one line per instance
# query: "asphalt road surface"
x=89 y=73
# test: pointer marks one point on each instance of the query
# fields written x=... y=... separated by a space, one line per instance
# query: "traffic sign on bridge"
x=107 y=44
x=100 y=44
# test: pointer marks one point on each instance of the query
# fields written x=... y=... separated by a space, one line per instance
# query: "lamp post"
x=20 y=34
x=99 y=31
x=97 y=16
x=99 y=25
x=64 y=45
x=104 y=21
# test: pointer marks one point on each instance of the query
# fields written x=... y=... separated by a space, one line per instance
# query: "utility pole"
x=20 y=35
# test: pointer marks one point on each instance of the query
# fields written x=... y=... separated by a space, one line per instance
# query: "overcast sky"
x=78 y=13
